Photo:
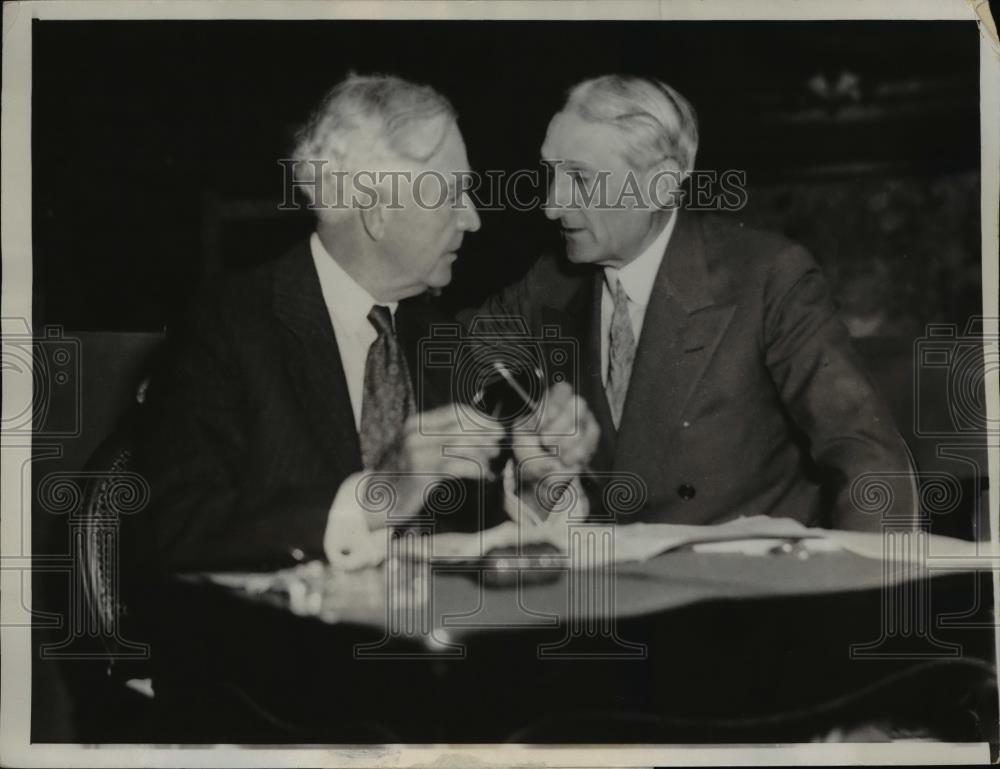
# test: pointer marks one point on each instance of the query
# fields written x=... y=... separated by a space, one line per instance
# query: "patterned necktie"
x=621 y=352
x=388 y=393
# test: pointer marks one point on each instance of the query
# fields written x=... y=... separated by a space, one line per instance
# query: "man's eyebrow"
x=568 y=163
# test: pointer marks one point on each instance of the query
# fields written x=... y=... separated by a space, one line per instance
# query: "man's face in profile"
x=424 y=234
x=589 y=161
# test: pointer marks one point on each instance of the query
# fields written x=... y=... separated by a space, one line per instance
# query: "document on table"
x=632 y=542
x=637 y=542
x=641 y=541
x=755 y=535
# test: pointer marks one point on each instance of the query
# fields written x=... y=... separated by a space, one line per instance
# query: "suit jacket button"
x=686 y=491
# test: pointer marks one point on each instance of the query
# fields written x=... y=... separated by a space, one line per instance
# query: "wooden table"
x=686 y=647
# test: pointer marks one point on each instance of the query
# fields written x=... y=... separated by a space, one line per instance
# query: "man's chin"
x=439 y=280
x=578 y=255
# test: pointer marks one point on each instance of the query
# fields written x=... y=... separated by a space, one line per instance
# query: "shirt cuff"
x=347 y=541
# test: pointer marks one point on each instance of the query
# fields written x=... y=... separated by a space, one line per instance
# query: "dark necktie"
x=388 y=393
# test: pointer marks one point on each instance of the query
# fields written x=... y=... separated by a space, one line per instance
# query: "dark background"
x=155 y=145
x=154 y=157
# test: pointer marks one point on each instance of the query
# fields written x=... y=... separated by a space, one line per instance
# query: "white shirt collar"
x=346 y=301
x=637 y=277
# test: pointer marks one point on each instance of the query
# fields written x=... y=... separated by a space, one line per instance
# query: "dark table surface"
x=685 y=647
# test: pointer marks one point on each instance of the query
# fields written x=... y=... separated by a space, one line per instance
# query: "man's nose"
x=557 y=199
x=468 y=217
x=551 y=209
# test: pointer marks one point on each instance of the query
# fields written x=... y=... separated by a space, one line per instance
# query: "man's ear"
x=373 y=220
x=664 y=183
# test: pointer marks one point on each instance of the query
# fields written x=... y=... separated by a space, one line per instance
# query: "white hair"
x=365 y=117
x=657 y=120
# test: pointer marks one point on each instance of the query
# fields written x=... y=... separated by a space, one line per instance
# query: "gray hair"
x=658 y=121
x=363 y=116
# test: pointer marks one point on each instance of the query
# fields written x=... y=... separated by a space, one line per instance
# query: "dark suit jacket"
x=745 y=396
x=250 y=431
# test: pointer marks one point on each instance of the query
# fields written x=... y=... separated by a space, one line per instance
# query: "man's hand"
x=434 y=447
x=566 y=437
x=560 y=448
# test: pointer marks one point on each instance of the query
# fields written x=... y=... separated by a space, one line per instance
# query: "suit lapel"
x=680 y=332
x=580 y=321
x=313 y=358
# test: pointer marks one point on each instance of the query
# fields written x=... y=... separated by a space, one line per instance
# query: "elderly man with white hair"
x=722 y=380
x=291 y=387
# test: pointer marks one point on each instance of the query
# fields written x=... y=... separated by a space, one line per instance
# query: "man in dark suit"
x=288 y=389
x=711 y=354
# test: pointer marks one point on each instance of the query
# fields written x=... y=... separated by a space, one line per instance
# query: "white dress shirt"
x=637 y=278
x=348 y=305
x=347 y=541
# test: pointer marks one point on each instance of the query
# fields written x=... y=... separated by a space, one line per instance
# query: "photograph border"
x=15 y=530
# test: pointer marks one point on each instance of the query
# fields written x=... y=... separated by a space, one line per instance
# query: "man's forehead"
x=571 y=138
x=429 y=144
x=450 y=152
